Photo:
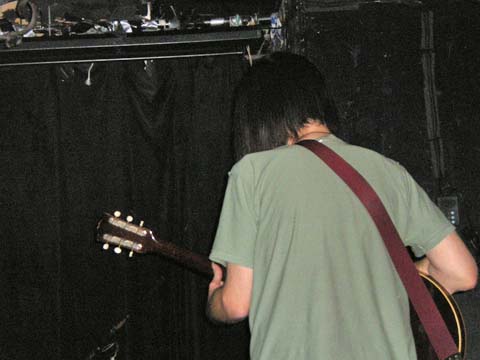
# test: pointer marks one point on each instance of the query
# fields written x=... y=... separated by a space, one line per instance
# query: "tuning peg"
x=117 y=214
x=117 y=250
x=129 y=218
x=130 y=254
x=141 y=223
x=105 y=246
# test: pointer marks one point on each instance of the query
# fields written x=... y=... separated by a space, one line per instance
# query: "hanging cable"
x=88 y=82
x=431 y=104
x=249 y=56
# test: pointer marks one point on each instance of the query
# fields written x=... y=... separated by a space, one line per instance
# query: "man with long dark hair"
x=303 y=258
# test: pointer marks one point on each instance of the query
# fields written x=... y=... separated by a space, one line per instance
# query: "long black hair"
x=276 y=97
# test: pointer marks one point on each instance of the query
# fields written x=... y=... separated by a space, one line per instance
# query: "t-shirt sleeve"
x=236 y=233
x=426 y=225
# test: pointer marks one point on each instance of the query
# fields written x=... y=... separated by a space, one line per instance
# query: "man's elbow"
x=467 y=279
x=471 y=279
x=236 y=310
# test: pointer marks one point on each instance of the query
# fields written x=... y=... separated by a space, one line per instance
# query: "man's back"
x=324 y=286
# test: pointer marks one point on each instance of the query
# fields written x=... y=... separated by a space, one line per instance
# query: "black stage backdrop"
x=150 y=139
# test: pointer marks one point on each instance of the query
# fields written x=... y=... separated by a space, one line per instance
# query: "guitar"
x=123 y=234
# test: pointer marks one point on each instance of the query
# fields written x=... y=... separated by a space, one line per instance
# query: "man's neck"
x=312 y=130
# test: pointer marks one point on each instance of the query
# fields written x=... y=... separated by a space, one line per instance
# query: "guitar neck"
x=195 y=262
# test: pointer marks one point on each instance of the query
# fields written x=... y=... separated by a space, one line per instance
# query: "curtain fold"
x=152 y=139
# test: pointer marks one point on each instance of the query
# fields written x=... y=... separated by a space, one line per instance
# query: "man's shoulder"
x=259 y=164
x=368 y=155
x=283 y=156
x=263 y=157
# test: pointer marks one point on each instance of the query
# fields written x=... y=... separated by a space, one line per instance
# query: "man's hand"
x=422 y=265
x=217 y=281
x=229 y=301
x=451 y=264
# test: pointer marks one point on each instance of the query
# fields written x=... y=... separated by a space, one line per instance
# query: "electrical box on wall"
x=449 y=206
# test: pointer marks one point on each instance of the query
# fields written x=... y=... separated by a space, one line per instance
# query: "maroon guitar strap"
x=425 y=307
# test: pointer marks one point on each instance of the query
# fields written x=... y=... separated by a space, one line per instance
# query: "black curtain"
x=151 y=139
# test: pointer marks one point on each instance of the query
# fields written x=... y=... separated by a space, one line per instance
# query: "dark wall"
x=372 y=58
x=458 y=78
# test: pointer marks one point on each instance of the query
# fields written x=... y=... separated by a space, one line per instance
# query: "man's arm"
x=451 y=264
x=229 y=301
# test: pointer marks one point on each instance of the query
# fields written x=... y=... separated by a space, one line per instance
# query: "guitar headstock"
x=123 y=234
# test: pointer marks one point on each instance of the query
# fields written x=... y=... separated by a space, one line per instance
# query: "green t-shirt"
x=324 y=286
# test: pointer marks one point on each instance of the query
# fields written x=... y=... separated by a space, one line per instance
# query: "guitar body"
x=451 y=315
x=112 y=230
